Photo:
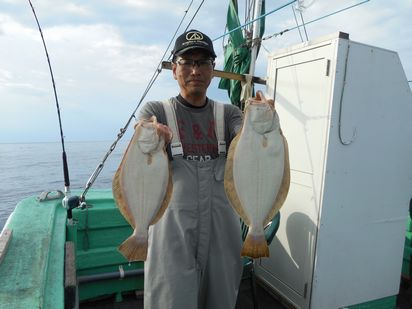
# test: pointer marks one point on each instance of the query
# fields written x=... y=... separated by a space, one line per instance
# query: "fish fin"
x=284 y=186
x=229 y=183
x=117 y=185
x=166 y=200
x=120 y=199
x=255 y=246
x=134 y=248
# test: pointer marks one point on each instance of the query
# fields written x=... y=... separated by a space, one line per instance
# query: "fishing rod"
x=64 y=156
x=76 y=201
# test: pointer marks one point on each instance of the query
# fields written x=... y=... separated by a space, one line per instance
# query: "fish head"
x=148 y=138
x=261 y=116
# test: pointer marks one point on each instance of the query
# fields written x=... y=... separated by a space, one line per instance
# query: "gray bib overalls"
x=194 y=249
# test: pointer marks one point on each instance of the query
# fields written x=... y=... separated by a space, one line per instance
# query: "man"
x=194 y=250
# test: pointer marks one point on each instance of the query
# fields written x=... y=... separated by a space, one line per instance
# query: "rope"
x=253 y=20
x=249 y=9
x=297 y=24
x=249 y=13
x=314 y=20
x=303 y=24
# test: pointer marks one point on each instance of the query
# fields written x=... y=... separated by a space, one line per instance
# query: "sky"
x=104 y=53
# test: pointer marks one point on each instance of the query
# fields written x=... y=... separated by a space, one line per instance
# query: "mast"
x=255 y=35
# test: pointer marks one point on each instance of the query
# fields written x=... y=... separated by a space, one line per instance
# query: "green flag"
x=237 y=53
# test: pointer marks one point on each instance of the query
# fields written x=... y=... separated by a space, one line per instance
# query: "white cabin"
x=346 y=111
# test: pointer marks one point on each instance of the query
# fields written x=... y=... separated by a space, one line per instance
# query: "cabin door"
x=300 y=85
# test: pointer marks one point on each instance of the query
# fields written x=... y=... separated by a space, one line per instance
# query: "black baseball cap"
x=193 y=39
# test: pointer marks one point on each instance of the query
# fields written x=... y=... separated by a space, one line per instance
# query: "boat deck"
x=266 y=300
x=244 y=300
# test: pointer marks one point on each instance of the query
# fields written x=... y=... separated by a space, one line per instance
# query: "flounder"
x=142 y=186
x=257 y=173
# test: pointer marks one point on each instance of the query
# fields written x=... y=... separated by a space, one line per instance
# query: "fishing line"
x=123 y=130
x=194 y=15
x=314 y=20
x=64 y=157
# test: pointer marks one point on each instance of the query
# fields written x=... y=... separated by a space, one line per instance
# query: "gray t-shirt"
x=196 y=126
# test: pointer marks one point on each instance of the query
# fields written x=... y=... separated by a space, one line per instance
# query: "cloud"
x=159 y=6
x=5 y=76
x=96 y=70
x=46 y=9
x=103 y=53
x=7 y=82
x=76 y=9
x=80 y=55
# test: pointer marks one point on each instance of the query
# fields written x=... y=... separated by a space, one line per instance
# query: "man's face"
x=193 y=72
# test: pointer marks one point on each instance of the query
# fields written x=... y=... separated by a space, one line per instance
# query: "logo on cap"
x=194 y=36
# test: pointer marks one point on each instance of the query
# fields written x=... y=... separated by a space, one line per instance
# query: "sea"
x=31 y=168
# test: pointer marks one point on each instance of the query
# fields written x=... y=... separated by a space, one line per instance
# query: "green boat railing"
x=33 y=269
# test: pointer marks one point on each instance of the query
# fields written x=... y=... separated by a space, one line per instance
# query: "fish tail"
x=134 y=248
x=255 y=246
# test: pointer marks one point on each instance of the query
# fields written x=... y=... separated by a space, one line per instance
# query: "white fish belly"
x=258 y=173
x=145 y=184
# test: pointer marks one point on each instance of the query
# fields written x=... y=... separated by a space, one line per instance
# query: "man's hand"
x=260 y=97
x=164 y=131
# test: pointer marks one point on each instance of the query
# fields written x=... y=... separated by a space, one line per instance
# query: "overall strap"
x=176 y=147
x=218 y=113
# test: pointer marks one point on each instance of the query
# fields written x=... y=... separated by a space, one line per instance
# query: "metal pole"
x=255 y=37
x=111 y=275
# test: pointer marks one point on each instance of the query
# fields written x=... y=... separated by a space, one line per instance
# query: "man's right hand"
x=164 y=131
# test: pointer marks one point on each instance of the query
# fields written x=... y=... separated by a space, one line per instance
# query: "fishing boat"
x=341 y=240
